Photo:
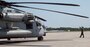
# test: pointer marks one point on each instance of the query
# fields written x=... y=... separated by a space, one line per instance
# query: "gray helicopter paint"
x=14 y=17
x=17 y=28
x=35 y=32
x=14 y=33
x=19 y=24
x=19 y=33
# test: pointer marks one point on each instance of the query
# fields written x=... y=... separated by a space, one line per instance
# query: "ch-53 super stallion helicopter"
x=19 y=24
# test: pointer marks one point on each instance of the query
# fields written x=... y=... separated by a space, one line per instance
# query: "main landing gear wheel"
x=40 y=38
x=8 y=38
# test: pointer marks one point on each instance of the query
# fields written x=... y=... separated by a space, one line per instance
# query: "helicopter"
x=16 y=23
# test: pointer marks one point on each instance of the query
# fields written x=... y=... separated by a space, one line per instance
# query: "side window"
x=38 y=24
x=9 y=10
x=17 y=11
x=29 y=25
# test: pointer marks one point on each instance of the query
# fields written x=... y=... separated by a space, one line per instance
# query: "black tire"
x=44 y=34
x=8 y=38
x=40 y=38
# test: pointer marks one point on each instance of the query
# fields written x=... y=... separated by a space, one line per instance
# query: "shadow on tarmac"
x=15 y=43
x=12 y=42
x=22 y=41
x=33 y=45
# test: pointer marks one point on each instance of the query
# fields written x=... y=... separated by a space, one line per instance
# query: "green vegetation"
x=67 y=29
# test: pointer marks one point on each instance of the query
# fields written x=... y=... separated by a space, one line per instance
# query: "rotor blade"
x=51 y=11
x=40 y=18
x=66 y=4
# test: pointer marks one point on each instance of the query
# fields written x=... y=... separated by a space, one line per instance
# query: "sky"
x=58 y=19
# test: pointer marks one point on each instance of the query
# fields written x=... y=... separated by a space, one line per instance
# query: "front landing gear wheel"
x=8 y=38
x=40 y=38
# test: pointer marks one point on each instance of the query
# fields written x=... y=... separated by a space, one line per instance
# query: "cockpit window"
x=38 y=24
x=9 y=10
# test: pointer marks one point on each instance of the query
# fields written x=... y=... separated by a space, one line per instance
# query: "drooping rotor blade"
x=4 y=3
x=66 y=4
x=40 y=18
x=51 y=11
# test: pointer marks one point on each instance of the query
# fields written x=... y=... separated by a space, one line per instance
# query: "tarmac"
x=58 y=39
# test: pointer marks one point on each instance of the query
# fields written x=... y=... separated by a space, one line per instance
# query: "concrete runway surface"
x=59 y=39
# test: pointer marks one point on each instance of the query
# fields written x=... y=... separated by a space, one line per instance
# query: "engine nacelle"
x=13 y=17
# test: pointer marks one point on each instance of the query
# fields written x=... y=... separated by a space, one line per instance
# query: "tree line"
x=68 y=29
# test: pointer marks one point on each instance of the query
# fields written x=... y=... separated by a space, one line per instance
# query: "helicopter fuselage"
x=15 y=25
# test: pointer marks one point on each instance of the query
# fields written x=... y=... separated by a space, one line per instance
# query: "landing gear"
x=44 y=34
x=40 y=38
x=8 y=38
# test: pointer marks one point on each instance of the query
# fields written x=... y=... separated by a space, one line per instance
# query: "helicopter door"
x=29 y=25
